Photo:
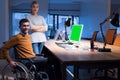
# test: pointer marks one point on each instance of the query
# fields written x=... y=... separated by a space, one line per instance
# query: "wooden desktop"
x=82 y=57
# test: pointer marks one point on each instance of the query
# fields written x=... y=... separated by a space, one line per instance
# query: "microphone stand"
x=104 y=41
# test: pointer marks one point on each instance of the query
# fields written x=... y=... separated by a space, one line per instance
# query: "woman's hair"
x=34 y=2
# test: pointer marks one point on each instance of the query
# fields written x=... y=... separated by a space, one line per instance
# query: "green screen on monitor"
x=76 y=33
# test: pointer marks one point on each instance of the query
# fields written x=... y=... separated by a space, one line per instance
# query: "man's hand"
x=13 y=63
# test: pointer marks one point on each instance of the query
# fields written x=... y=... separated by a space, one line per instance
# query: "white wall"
x=4 y=21
x=64 y=9
x=92 y=13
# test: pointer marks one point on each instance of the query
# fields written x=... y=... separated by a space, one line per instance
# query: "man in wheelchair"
x=23 y=47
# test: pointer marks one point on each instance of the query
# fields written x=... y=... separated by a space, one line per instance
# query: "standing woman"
x=38 y=28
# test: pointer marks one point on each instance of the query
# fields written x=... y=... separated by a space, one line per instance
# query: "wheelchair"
x=27 y=69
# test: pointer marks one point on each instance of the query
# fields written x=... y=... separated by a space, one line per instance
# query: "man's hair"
x=22 y=21
x=34 y=2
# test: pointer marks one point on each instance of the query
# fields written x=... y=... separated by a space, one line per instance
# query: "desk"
x=83 y=58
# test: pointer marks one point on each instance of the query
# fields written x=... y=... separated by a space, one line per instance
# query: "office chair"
x=109 y=38
x=94 y=36
x=117 y=40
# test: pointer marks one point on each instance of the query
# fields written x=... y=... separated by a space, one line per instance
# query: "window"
x=56 y=21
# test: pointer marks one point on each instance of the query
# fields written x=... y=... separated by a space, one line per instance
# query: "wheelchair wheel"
x=20 y=72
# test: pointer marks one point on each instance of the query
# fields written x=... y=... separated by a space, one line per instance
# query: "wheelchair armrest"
x=26 y=59
x=34 y=60
x=39 y=54
x=40 y=59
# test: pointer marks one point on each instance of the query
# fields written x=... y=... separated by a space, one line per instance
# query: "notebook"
x=76 y=33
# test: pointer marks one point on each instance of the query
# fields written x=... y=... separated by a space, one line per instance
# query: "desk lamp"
x=67 y=24
x=114 y=22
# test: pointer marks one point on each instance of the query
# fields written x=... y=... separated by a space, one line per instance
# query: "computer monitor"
x=76 y=33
